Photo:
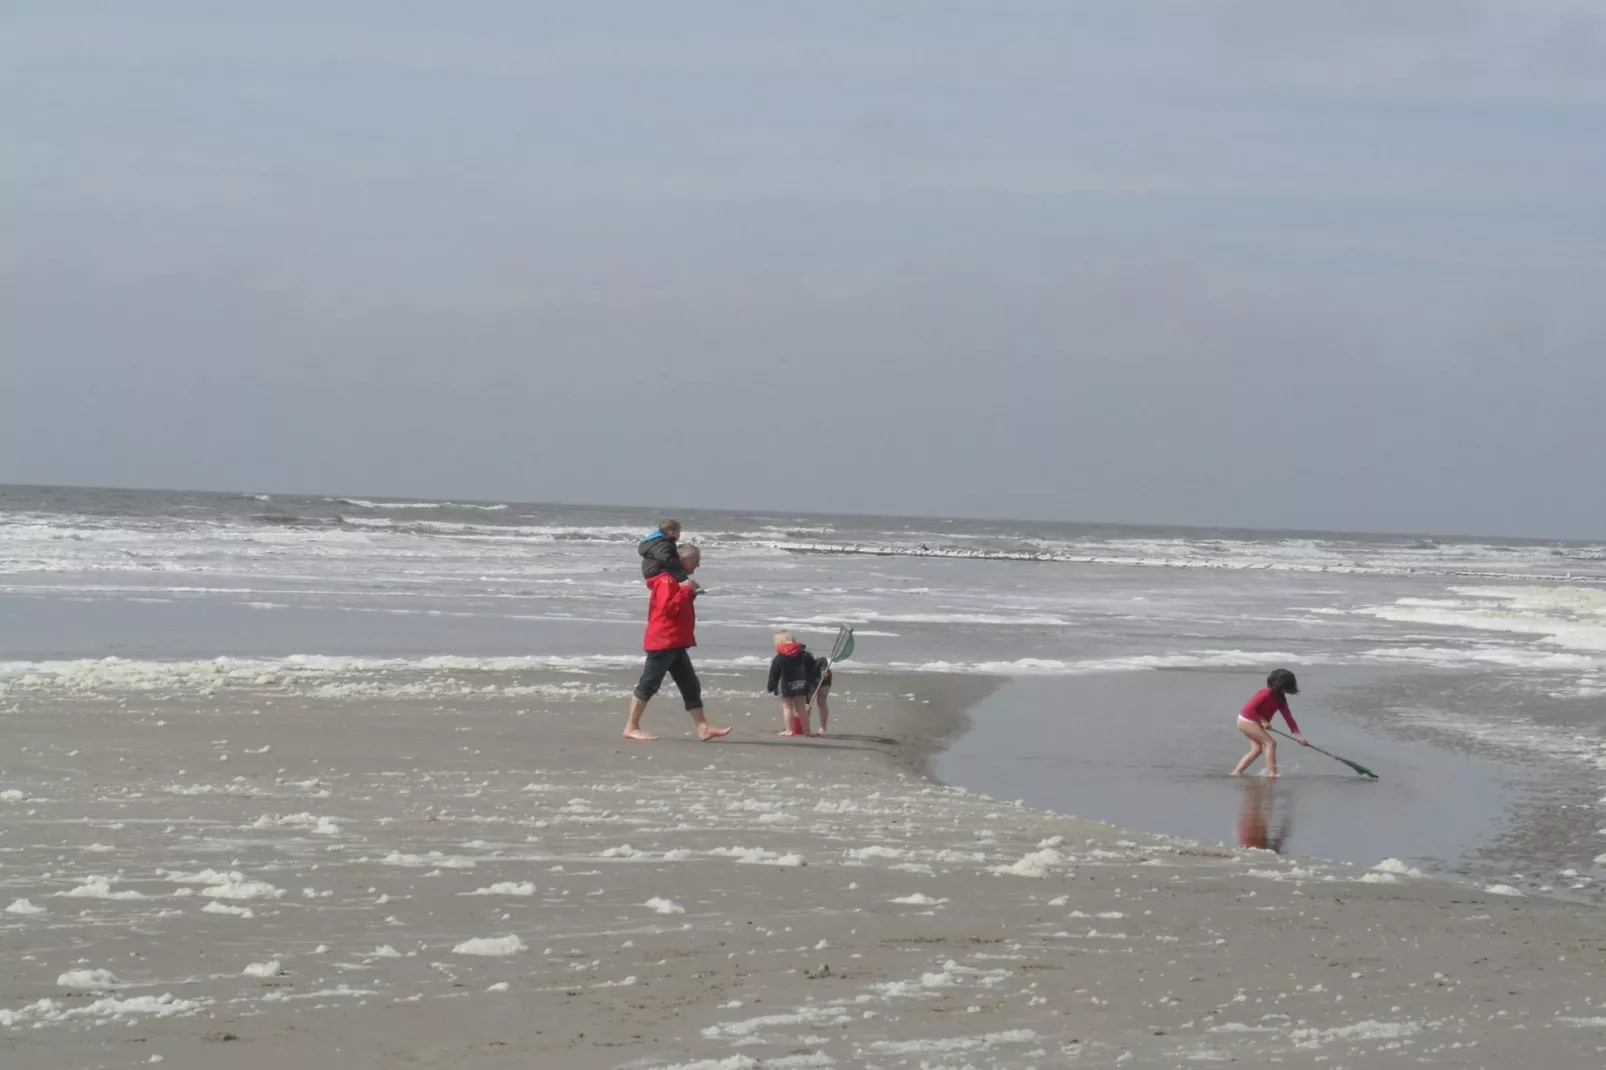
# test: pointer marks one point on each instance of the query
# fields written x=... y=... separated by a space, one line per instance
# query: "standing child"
x=1256 y=715
x=793 y=676
x=822 y=693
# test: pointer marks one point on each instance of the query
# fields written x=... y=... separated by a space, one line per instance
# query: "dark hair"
x=667 y=525
x=1282 y=680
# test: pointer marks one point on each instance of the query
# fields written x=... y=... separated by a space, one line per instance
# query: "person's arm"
x=1288 y=715
x=775 y=676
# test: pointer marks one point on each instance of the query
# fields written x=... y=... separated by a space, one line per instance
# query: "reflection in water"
x=1255 y=819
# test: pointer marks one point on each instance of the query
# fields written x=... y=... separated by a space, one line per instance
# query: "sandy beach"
x=288 y=871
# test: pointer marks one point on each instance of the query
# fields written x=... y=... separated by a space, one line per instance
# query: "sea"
x=1469 y=672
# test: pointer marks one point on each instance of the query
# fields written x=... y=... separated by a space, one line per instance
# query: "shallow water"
x=1154 y=751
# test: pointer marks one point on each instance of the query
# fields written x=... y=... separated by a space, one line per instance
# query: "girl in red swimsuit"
x=1256 y=715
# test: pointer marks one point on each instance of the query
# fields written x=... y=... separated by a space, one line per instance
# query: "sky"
x=1336 y=264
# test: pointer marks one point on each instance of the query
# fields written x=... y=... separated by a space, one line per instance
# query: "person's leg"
x=1258 y=741
x=652 y=678
x=691 y=690
x=786 y=716
x=820 y=699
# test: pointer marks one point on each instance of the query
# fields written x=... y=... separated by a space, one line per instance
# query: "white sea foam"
x=214 y=907
x=491 y=947
x=89 y=980
x=524 y=888
x=23 y=907
x=1570 y=617
x=271 y=968
x=100 y=888
x=321 y=826
x=1359 y=1031
x=664 y=906
x=757 y=856
x=1036 y=864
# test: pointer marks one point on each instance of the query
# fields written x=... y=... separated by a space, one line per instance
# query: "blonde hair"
x=783 y=636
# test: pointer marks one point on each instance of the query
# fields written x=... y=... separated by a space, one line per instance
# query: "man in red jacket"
x=671 y=633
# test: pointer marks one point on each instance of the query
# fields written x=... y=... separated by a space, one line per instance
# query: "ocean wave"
x=90 y=675
x=1568 y=616
x=1207 y=659
x=856 y=617
x=364 y=503
x=1071 y=555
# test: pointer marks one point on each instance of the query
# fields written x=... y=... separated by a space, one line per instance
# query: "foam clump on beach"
x=1396 y=867
x=664 y=906
x=1366 y=1030
x=93 y=980
x=1036 y=864
x=318 y=826
x=47 y=1011
x=100 y=888
x=491 y=947
x=433 y=858
x=1504 y=889
x=271 y=968
x=214 y=907
x=237 y=887
x=757 y=856
x=23 y=907
x=506 y=888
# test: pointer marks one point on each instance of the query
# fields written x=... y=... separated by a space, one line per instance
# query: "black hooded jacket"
x=794 y=674
x=660 y=554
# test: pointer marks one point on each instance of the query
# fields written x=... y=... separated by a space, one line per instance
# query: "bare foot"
x=639 y=735
x=706 y=732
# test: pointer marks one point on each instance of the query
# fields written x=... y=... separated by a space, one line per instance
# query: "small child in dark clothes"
x=794 y=674
x=660 y=554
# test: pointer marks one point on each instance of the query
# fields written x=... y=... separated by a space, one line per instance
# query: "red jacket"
x=671 y=616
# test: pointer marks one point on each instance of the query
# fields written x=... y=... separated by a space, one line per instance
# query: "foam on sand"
x=758 y=856
x=664 y=906
x=89 y=980
x=271 y=968
x=235 y=886
x=23 y=907
x=491 y=947
x=519 y=888
x=1037 y=864
x=215 y=907
x=47 y=1011
x=100 y=888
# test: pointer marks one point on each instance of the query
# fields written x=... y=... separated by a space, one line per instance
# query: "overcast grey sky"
x=1333 y=263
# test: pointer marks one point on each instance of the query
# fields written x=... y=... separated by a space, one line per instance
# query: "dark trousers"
x=675 y=663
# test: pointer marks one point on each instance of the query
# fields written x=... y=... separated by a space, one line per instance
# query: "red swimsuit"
x=1265 y=703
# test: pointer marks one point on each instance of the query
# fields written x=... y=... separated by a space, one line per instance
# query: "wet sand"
x=496 y=879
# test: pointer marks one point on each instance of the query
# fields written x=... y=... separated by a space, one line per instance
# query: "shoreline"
x=496 y=879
